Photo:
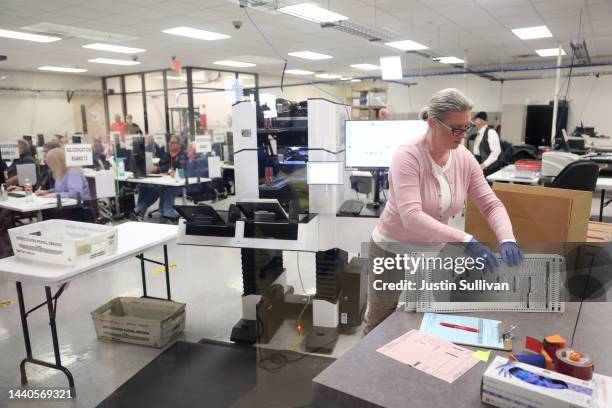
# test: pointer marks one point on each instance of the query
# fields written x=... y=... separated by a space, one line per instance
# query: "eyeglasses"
x=456 y=131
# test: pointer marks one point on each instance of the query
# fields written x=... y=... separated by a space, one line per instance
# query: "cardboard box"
x=599 y=232
x=505 y=385
x=63 y=242
x=148 y=322
x=538 y=214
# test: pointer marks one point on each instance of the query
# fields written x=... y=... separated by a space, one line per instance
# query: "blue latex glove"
x=511 y=253
x=477 y=250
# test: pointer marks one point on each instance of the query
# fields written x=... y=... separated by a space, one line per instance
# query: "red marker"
x=456 y=326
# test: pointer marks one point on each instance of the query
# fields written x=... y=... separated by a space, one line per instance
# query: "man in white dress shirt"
x=487 y=146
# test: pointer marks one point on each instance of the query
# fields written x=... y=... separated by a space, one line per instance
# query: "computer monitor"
x=40 y=140
x=371 y=144
x=77 y=139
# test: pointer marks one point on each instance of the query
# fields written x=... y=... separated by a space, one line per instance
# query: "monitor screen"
x=324 y=173
x=371 y=144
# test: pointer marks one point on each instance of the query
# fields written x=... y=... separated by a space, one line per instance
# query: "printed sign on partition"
x=129 y=139
x=203 y=143
x=9 y=150
x=219 y=136
x=214 y=167
x=78 y=155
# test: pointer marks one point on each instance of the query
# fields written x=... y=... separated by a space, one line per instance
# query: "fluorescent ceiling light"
x=449 y=60
x=345 y=79
x=310 y=55
x=113 y=48
x=298 y=72
x=236 y=64
x=111 y=61
x=62 y=69
x=391 y=67
x=328 y=76
x=366 y=67
x=407 y=45
x=530 y=33
x=356 y=80
x=312 y=13
x=195 y=33
x=550 y=52
x=18 y=35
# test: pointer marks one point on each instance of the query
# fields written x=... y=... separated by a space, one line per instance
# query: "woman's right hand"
x=477 y=250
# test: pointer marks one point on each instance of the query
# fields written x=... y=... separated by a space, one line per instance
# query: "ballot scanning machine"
x=262 y=228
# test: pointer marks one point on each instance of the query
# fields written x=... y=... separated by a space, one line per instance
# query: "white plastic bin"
x=63 y=242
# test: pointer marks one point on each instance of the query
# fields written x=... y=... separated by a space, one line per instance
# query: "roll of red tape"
x=575 y=364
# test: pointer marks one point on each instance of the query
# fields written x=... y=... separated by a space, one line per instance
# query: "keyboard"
x=351 y=207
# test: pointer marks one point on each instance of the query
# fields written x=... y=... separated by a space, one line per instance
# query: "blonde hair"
x=56 y=160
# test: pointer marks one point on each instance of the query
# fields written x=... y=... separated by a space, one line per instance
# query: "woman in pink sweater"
x=429 y=178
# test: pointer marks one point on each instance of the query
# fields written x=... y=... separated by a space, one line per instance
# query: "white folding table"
x=509 y=174
x=168 y=181
x=133 y=239
x=38 y=204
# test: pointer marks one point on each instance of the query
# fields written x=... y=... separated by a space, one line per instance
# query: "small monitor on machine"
x=370 y=144
x=324 y=172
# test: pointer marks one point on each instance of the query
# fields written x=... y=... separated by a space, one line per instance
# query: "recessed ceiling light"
x=236 y=64
x=449 y=60
x=366 y=67
x=62 y=69
x=299 y=72
x=310 y=55
x=356 y=80
x=112 y=61
x=550 y=52
x=391 y=67
x=530 y=33
x=195 y=33
x=312 y=13
x=407 y=45
x=113 y=48
x=18 y=35
x=328 y=76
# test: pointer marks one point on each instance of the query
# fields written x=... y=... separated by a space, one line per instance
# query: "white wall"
x=589 y=96
x=44 y=112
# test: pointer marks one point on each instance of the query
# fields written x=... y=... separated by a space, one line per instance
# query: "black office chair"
x=578 y=175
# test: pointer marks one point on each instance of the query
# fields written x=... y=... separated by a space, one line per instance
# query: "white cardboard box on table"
x=510 y=384
x=63 y=242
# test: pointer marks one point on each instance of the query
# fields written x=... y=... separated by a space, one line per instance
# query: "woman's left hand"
x=511 y=253
x=41 y=193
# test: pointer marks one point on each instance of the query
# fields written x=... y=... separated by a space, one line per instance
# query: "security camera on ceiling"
x=237 y=24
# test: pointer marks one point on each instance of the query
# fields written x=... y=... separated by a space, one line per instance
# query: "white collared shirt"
x=494 y=145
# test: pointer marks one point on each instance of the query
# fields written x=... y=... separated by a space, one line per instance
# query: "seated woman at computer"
x=25 y=157
x=169 y=163
x=69 y=182
x=429 y=179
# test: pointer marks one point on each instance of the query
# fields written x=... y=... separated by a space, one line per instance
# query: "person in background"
x=69 y=183
x=152 y=147
x=169 y=163
x=203 y=118
x=46 y=180
x=430 y=177
x=487 y=146
x=119 y=126
x=383 y=114
x=25 y=157
x=132 y=128
x=108 y=146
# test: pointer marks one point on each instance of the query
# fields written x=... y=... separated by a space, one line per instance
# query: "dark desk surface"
x=362 y=377
x=366 y=211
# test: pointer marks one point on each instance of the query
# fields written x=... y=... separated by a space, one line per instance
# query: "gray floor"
x=208 y=280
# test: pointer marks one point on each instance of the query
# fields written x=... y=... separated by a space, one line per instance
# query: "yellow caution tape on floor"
x=163 y=268
x=6 y=303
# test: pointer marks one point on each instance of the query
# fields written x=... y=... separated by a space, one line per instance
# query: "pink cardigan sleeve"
x=490 y=206
x=405 y=184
